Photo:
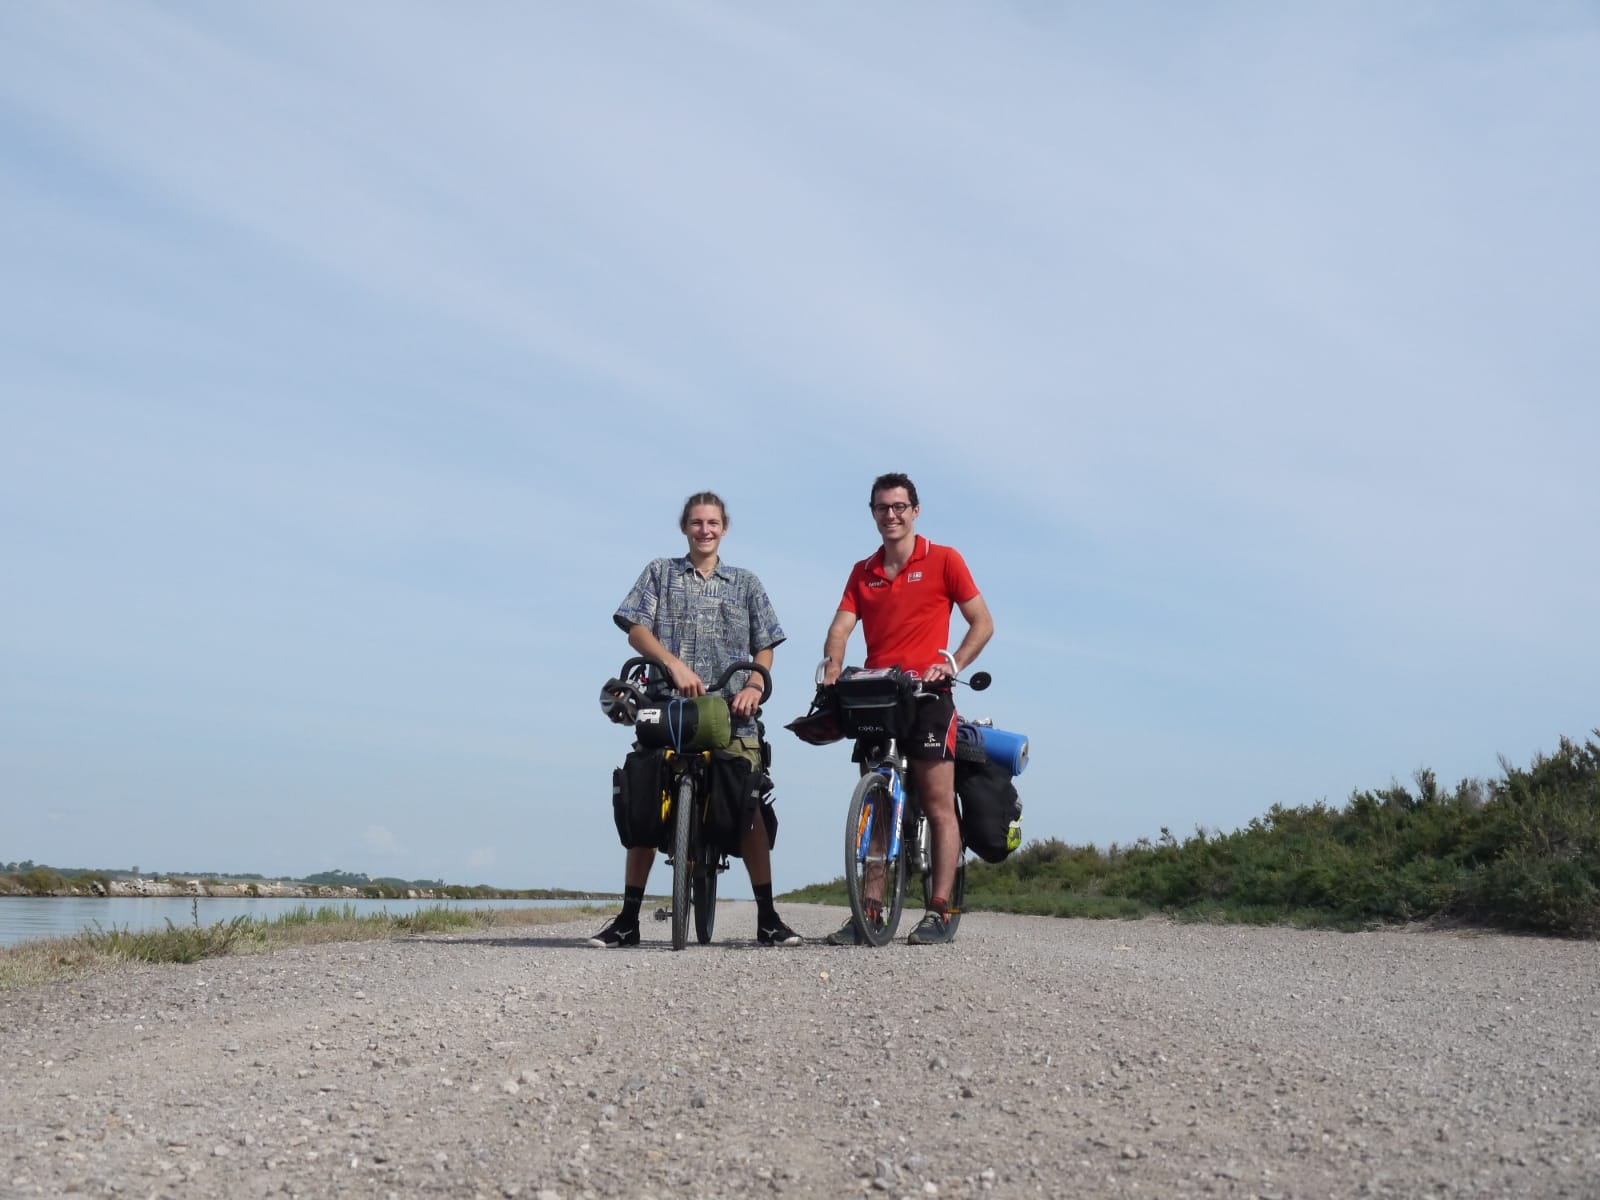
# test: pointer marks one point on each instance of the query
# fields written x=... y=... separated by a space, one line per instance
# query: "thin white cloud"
x=382 y=842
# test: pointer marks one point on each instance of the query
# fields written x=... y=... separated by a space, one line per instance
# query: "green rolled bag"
x=685 y=723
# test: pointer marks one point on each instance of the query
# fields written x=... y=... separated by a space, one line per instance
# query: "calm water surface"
x=25 y=917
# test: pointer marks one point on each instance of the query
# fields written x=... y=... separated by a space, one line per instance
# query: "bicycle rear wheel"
x=866 y=861
x=704 y=883
x=682 y=864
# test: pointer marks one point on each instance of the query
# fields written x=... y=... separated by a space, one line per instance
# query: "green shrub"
x=1521 y=853
x=41 y=881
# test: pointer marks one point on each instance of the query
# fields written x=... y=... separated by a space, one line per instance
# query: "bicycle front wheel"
x=682 y=864
x=877 y=884
x=704 y=882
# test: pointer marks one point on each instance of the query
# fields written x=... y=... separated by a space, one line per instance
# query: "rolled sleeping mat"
x=1010 y=750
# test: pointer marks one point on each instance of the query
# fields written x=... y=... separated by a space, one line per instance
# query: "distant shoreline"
x=269 y=889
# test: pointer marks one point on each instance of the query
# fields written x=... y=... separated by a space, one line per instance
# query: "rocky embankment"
x=211 y=887
x=135 y=886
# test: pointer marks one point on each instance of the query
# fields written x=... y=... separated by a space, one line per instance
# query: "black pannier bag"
x=738 y=791
x=639 y=799
x=876 y=704
x=991 y=810
x=769 y=814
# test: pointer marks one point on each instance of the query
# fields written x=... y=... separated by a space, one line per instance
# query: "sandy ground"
x=1032 y=1057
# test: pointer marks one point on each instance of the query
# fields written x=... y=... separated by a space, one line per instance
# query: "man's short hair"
x=894 y=479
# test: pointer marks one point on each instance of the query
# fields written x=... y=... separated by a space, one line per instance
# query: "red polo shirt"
x=906 y=619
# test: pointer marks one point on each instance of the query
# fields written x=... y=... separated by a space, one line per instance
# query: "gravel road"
x=1032 y=1057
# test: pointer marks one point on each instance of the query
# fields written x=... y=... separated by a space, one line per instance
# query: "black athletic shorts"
x=933 y=732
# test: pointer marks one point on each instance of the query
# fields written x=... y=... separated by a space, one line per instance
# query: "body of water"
x=23 y=918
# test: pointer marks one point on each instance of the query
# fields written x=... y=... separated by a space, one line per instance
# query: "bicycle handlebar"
x=979 y=681
x=663 y=681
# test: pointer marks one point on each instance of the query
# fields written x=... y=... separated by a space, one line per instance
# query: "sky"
x=354 y=360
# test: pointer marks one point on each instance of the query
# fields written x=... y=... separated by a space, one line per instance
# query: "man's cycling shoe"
x=615 y=934
x=847 y=935
x=932 y=930
x=776 y=934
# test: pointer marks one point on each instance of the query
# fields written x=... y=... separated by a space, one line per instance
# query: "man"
x=695 y=615
x=902 y=596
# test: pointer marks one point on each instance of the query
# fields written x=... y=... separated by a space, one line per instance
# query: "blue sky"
x=355 y=359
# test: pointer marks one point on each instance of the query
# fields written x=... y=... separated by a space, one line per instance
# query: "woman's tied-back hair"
x=699 y=498
x=887 y=483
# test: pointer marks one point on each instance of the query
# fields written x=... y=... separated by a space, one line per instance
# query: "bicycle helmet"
x=820 y=726
x=620 y=701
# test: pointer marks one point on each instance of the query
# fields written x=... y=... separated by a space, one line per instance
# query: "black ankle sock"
x=764 y=905
x=632 y=898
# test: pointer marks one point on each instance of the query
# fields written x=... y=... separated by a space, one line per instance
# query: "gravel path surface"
x=1032 y=1057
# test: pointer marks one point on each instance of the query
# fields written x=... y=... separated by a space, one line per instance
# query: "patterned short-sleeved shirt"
x=708 y=623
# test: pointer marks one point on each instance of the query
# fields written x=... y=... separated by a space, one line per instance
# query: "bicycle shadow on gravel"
x=574 y=942
x=581 y=942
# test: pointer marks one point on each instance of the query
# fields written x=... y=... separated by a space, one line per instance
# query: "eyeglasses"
x=883 y=510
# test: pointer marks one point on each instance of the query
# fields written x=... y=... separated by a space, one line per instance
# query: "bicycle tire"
x=871 y=802
x=682 y=864
x=704 y=882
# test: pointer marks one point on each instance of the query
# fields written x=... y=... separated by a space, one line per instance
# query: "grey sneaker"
x=847 y=935
x=932 y=930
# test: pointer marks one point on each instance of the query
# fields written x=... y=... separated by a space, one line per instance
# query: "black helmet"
x=620 y=701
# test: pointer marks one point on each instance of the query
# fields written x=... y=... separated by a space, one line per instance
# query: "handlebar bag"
x=685 y=723
x=990 y=809
x=877 y=703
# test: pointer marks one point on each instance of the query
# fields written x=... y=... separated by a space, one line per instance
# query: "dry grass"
x=56 y=960
x=49 y=960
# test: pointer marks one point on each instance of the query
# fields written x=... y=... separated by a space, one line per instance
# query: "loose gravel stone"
x=1032 y=1057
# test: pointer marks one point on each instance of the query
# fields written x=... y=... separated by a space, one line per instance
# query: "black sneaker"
x=847 y=935
x=616 y=934
x=932 y=930
x=776 y=934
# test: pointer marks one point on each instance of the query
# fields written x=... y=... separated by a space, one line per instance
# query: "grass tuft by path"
x=53 y=960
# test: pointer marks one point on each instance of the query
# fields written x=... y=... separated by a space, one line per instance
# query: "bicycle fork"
x=669 y=796
x=870 y=817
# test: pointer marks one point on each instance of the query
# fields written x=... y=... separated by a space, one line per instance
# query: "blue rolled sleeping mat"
x=1009 y=750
